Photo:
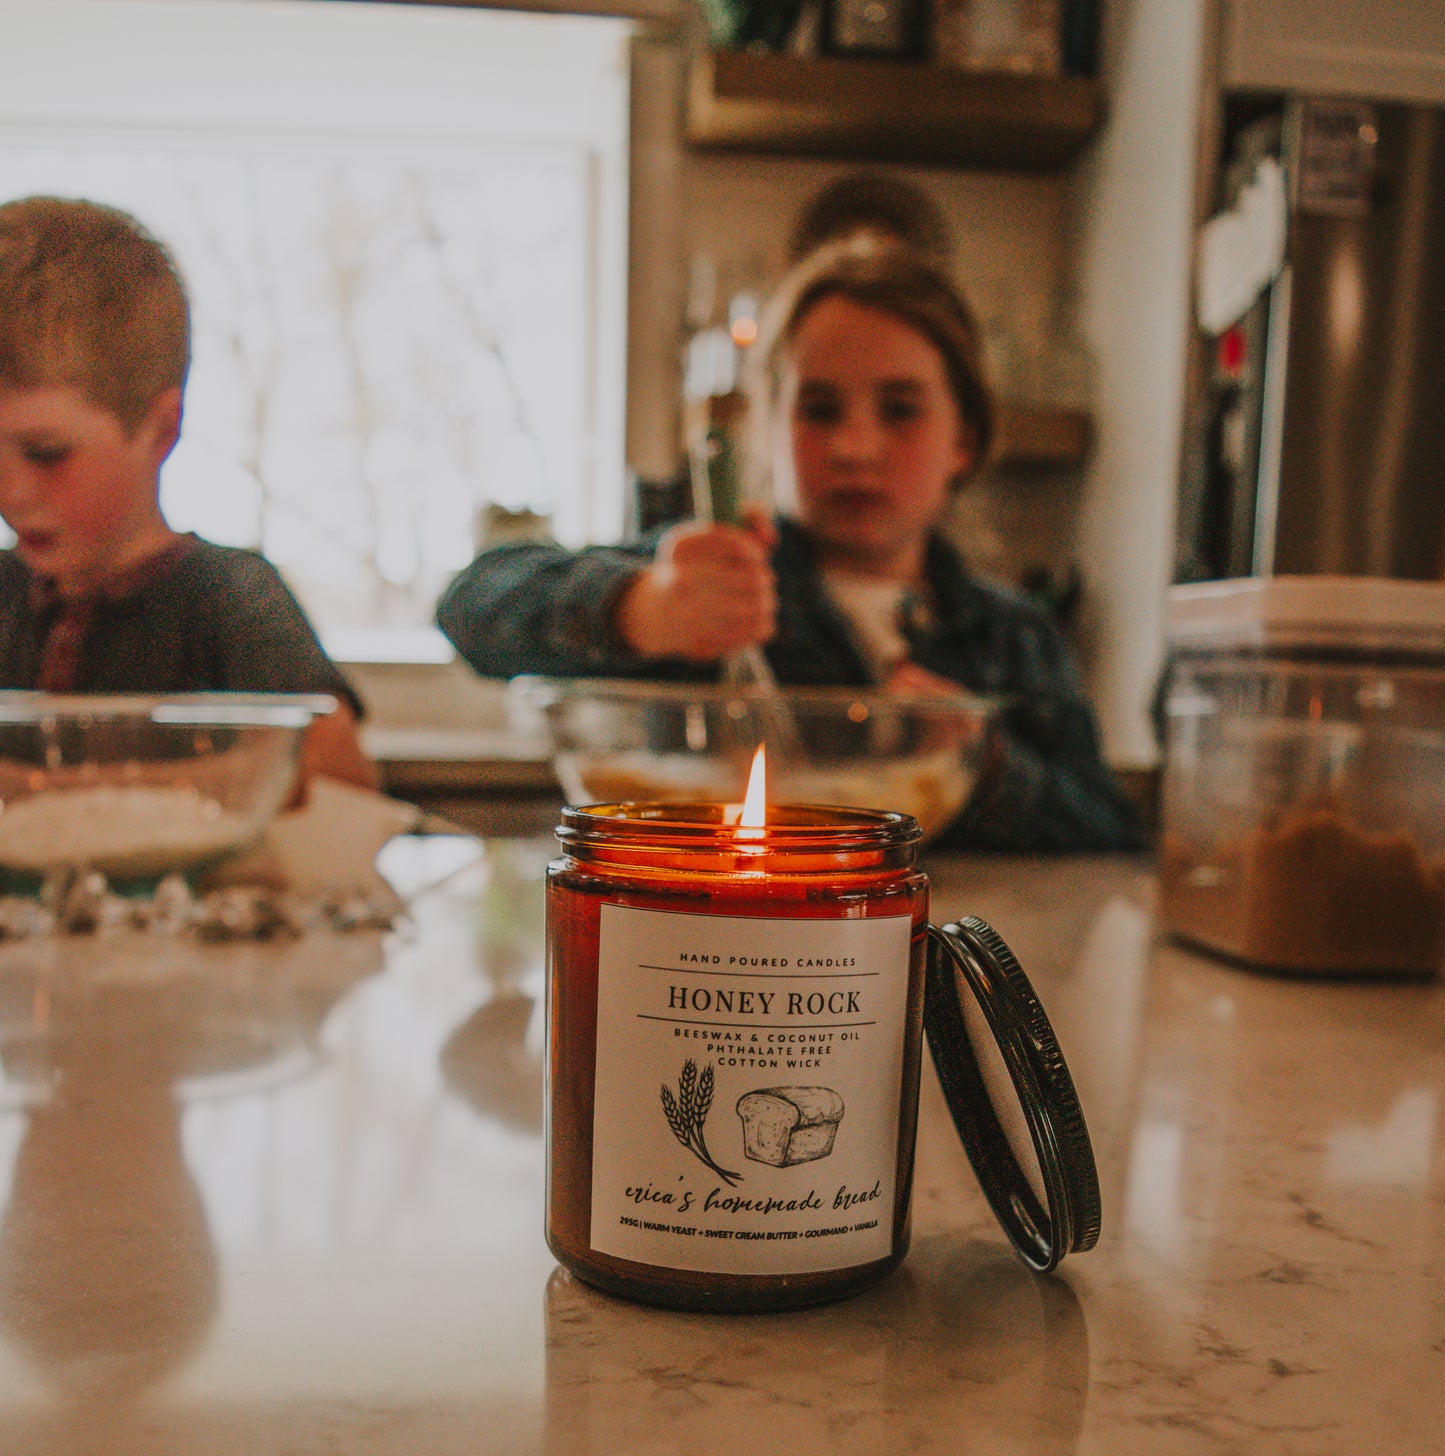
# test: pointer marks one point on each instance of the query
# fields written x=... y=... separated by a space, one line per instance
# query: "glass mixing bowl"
x=617 y=740
x=138 y=787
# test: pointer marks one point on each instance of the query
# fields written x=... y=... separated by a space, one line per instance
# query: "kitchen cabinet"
x=1386 y=50
x=859 y=109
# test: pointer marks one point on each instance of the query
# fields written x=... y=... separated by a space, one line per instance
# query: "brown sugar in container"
x=1304 y=783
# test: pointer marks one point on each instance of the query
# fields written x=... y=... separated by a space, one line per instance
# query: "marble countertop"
x=289 y=1200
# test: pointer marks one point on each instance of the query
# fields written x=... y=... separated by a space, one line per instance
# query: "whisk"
x=748 y=668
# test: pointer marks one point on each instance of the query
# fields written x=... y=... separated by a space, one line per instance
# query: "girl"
x=868 y=409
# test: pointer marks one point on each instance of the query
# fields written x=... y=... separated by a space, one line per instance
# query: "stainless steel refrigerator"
x=1317 y=441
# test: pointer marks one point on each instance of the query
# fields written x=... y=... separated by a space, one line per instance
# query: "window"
x=403 y=232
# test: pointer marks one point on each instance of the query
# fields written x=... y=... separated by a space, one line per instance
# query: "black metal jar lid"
x=971 y=953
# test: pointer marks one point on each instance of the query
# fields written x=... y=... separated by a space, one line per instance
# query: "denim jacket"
x=543 y=609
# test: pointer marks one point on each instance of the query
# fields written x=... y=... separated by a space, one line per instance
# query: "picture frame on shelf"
x=892 y=28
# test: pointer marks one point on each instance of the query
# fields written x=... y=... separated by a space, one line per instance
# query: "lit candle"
x=736 y=1006
x=751 y=816
x=755 y=799
x=735 y=1012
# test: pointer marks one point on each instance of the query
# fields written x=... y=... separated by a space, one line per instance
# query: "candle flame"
x=755 y=813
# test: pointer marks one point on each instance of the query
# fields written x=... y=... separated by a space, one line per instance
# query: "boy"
x=99 y=594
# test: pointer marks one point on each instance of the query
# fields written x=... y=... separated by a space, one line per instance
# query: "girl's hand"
x=908 y=680
x=708 y=592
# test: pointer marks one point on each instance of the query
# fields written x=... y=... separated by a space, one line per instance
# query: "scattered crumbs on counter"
x=80 y=902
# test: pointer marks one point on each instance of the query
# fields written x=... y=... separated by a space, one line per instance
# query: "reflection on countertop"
x=109 y=1276
x=345 y=1252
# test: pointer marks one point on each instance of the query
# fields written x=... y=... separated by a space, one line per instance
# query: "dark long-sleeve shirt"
x=542 y=609
x=201 y=618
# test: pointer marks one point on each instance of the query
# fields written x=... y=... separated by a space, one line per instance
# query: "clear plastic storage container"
x=1303 y=820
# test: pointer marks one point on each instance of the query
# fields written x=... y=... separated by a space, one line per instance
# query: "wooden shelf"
x=894 y=111
x=1029 y=438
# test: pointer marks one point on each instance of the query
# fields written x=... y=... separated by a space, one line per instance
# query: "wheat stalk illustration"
x=688 y=1110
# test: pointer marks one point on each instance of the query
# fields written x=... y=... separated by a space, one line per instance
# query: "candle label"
x=749 y=1073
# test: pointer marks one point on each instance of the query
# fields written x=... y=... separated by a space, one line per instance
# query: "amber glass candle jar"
x=735 y=1033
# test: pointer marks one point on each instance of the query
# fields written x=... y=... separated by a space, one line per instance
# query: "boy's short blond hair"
x=89 y=299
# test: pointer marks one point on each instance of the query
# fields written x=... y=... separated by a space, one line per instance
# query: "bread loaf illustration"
x=787 y=1125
